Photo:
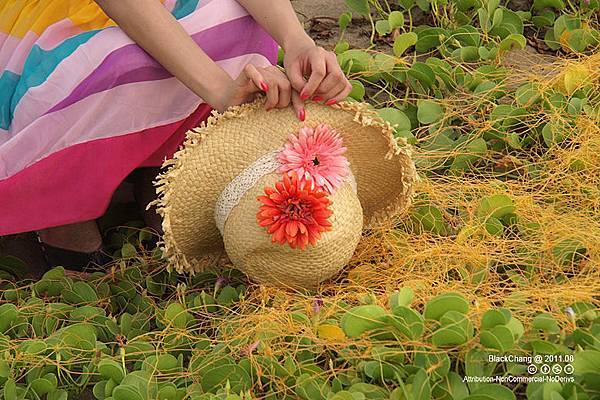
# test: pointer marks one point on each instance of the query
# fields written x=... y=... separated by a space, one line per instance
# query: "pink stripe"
x=58 y=33
x=77 y=183
x=16 y=60
x=90 y=54
x=170 y=4
x=3 y=37
x=130 y=108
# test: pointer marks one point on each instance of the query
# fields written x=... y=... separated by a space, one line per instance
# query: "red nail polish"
x=301 y=114
x=264 y=86
x=330 y=102
x=317 y=98
x=303 y=95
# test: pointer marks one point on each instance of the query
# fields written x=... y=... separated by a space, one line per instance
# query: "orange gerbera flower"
x=294 y=213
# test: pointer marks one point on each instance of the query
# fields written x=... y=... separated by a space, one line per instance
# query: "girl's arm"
x=279 y=19
x=326 y=80
x=153 y=28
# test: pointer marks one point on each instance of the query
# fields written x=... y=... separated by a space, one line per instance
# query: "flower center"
x=295 y=209
x=315 y=160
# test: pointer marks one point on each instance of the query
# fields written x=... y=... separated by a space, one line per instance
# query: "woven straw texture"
x=228 y=143
x=250 y=249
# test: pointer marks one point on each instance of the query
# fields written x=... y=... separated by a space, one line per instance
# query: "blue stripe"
x=41 y=63
x=8 y=83
x=184 y=8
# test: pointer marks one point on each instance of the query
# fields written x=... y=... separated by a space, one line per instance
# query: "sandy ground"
x=320 y=19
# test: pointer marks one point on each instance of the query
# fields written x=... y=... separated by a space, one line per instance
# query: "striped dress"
x=81 y=105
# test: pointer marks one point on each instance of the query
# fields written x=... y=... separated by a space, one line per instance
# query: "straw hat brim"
x=227 y=143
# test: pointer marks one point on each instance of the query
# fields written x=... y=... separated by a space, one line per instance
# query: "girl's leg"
x=83 y=237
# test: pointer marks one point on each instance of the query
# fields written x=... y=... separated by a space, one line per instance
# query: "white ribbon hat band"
x=233 y=192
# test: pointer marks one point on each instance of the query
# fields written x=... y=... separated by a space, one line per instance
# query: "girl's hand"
x=326 y=80
x=252 y=80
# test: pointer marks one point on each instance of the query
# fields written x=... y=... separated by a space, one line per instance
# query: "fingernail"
x=303 y=95
x=264 y=86
x=317 y=98
x=301 y=114
x=331 y=102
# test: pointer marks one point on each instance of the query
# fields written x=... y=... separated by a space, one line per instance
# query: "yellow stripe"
x=17 y=17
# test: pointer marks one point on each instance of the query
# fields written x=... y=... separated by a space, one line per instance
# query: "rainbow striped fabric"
x=81 y=105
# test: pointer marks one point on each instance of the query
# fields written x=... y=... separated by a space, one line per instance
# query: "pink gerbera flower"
x=293 y=214
x=316 y=156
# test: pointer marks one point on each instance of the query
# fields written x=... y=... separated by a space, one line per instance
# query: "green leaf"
x=528 y=94
x=344 y=20
x=127 y=392
x=499 y=338
x=492 y=318
x=494 y=226
x=553 y=133
x=10 y=390
x=421 y=388
x=429 y=219
x=399 y=121
x=128 y=251
x=422 y=73
x=45 y=384
x=542 y=4
x=358 y=90
x=569 y=251
x=429 y=38
x=403 y=298
x=439 y=305
x=361 y=319
x=474 y=150
x=512 y=42
x=312 y=387
x=429 y=112
x=177 y=316
x=58 y=395
x=587 y=361
x=360 y=6
x=403 y=42
x=110 y=369
x=497 y=18
x=407 y=321
x=497 y=206
x=456 y=329
x=383 y=27
x=8 y=315
x=546 y=323
x=396 y=19
x=341 y=47
x=492 y=391
x=451 y=387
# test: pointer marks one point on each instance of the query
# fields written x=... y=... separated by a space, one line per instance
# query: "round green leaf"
x=358 y=90
x=360 y=6
x=127 y=392
x=403 y=42
x=110 y=369
x=396 y=19
x=429 y=112
x=497 y=206
x=362 y=319
x=439 y=305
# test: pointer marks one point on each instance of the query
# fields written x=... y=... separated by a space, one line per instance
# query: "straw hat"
x=209 y=196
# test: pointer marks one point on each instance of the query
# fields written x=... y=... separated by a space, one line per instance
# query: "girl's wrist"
x=214 y=88
x=296 y=39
